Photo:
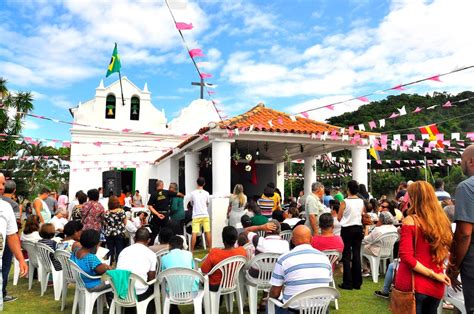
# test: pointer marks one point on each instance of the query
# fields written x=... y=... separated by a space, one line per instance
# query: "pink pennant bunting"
x=379 y=162
x=305 y=114
x=330 y=107
x=398 y=87
x=411 y=137
x=184 y=26
x=98 y=144
x=435 y=78
x=193 y=53
x=427 y=149
x=470 y=135
x=447 y=104
x=205 y=75
x=230 y=133
x=206 y=138
x=418 y=109
x=393 y=115
x=363 y=99
x=280 y=120
x=351 y=130
x=210 y=92
x=372 y=124
x=126 y=130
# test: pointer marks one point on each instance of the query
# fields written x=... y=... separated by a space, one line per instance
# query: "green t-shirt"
x=177 y=208
x=338 y=196
x=258 y=220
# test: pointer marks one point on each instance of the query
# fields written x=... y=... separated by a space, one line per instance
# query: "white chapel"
x=126 y=136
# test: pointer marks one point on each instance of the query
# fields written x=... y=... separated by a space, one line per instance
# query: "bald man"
x=462 y=249
x=9 y=232
x=304 y=266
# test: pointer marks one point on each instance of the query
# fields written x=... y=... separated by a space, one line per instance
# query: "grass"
x=353 y=301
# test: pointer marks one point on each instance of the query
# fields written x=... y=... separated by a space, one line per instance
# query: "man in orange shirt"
x=229 y=237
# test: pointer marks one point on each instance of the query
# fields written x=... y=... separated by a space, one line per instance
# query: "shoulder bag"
x=403 y=302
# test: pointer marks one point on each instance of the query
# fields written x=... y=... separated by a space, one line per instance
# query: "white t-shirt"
x=58 y=223
x=352 y=215
x=138 y=259
x=7 y=221
x=33 y=237
x=200 y=201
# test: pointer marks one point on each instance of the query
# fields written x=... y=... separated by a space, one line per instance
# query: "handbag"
x=403 y=302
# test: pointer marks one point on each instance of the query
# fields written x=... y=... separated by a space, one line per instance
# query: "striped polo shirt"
x=301 y=269
x=266 y=205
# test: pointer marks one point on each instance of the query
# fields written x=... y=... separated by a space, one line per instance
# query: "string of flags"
x=400 y=87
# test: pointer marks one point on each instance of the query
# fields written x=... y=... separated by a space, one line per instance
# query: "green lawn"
x=354 y=301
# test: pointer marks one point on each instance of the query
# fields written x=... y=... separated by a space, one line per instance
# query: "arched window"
x=135 y=108
x=110 y=107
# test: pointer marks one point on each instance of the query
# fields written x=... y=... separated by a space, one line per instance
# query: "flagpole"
x=121 y=88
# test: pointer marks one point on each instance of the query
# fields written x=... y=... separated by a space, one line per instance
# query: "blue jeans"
x=6 y=265
x=426 y=304
x=388 y=279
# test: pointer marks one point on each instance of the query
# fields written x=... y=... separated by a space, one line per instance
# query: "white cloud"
x=61 y=102
x=325 y=113
x=30 y=125
x=76 y=44
x=415 y=39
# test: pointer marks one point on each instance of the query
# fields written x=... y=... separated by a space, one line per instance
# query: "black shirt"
x=160 y=200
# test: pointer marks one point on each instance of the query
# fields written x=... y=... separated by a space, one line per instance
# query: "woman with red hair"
x=428 y=224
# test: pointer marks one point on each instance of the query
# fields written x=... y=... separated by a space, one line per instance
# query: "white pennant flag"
x=251 y=128
x=382 y=123
x=293 y=118
x=361 y=127
x=270 y=123
x=402 y=111
x=455 y=136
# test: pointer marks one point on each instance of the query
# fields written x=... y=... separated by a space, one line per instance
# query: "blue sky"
x=292 y=55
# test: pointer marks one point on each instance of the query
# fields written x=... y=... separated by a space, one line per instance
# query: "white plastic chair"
x=250 y=250
x=68 y=278
x=33 y=262
x=286 y=235
x=230 y=269
x=159 y=255
x=334 y=257
x=130 y=299
x=262 y=233
x=83 y=297
x=47 y=268
x=314 y=301
x=178 y=287
x=189 y=236
x=16 y=270
x=263 y=264
x=385 y=242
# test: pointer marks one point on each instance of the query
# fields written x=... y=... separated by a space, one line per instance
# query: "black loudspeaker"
x=111 y=183
x=152 y=186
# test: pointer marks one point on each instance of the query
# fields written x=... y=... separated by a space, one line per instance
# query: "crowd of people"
x=348 y=220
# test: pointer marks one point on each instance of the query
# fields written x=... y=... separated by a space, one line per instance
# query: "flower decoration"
x=248 y=157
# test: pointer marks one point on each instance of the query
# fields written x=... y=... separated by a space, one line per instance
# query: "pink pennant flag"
x=330 y=107
x=260 y=126
x=184 y=26
x=210 y=92
x=418 y=109
x=305 y=114
x=148 y=133
x=393 y=115
x=470 y=135
x=98 y=144
x=398 y=87
x=440 y=137
x=205 y=138
x=196 y=53
x=379 y=161
x=372 y=124
x=435 y=78
x=351 y=130
x=363 y=99
x=205 y=75
x=280 y=120
x=447 y=104
x=230 y=133
x=126 y=130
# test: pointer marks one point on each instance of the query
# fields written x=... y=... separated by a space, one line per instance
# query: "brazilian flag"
x=114 y=65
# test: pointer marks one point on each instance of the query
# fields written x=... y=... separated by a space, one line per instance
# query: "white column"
x=280 y=177
x=174 y=170
x=359 y=165
x=191 y=170
x=221 y=167
x=309 y=173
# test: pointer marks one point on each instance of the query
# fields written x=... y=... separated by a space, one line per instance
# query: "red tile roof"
x=259 y=117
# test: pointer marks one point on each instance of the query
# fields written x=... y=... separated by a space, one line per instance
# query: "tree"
x=12 y=118
x=385 y=183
